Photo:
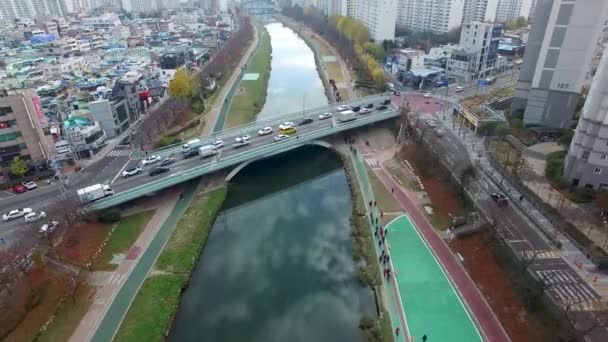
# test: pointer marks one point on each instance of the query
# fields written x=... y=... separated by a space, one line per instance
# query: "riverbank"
x=252 y=90
x=151 y=312
x=364 y=253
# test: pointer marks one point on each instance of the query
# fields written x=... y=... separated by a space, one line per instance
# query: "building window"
x=597 y=170
x=6 y=110
x=603 y=157
x=585 y=155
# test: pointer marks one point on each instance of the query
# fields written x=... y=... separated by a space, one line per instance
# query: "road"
x=564 y=285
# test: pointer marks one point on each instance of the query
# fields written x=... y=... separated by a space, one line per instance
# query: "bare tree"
x=583 y=320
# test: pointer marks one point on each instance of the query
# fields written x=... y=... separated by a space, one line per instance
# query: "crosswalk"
x=568 y=288
x=539 y=254
x=373 y=163
x=119 y=153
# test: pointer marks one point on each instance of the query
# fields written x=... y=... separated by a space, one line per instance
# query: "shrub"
x=167 y=140
x=109 y=216
x=555 y=166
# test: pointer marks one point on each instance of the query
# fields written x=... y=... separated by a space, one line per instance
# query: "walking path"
x=222 y=100
x=487 y=322
x=112 y=301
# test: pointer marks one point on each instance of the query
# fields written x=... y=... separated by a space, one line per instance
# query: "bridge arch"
x=242 y=165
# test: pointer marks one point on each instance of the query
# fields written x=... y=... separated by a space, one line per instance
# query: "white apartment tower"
x=439 y=16
x=508 y=10
x=379 y=16
x=561 y=45
x=587 y=161
x=20 y=9
x=479 y=10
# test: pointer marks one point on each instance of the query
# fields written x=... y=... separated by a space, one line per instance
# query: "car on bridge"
x=241 y=141
x=365 y=111
x=281 y=137
x=131 y=172
x=158 y=170
x=306 y=121
x=242 y=138
x=33 y=216
x=386 y=102
x=343 y=108
x=382 y=107
x=326 y=115
x=218 y=144
x=370 y=106
x=190 y=153
x=16 y=213
x=150 y=160
x=265 y=131
x=167 y=161
x=356 y=109
x=288 y=124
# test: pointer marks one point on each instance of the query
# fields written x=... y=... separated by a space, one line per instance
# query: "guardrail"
x=255 y=153
x=269 y=122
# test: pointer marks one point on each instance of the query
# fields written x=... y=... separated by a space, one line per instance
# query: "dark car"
x=167 y=161
x=396 y=93
x=356 y=109
x=386 y=102
x=500 y=199
x=191 y=153
x=370 y=106
x=383 y=107
x=306 y=122
x=158 y=170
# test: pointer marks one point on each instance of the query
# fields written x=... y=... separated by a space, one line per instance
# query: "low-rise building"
x=409 y=58
x=112 y=116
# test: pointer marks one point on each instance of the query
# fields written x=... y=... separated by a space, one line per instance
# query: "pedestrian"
x=381 y=213
x=181 y=196
x=392 y=190
x=397 y=331
x=385 y=272
x=380 y=258
x=371 y=217
x=382 y=254
x=383 y=238
x=424 y=338
x=375 y=204
x=379 y=243
x=388 y=259
x=297 y=137
x=370 y=203
x=385 y=231
x=521 y=198
x=376 y=220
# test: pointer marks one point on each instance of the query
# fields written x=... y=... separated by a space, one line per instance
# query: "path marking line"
x=120 y=172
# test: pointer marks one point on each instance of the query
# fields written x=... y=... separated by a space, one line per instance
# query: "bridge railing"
x=254 y=126
x=254 y=153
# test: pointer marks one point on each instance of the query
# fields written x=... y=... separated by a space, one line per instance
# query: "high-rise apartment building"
x=19 y=9
x=379 y=16
x=512 y=9
x=439 y=16
x=479 y=10
x=587 y=161
x=336 y=7
x=561 y=44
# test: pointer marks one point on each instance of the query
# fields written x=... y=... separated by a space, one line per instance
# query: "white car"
x=48 y=228
x=265 y=131
x=431 y=123
x=365 y=111
x=242 y=138
x=33 y=217
x=131 y=172
x=30 y=185
x=289 y=124
x=459 y=89
x=218 y=144
x=281 y=137
x=427 y=95
x=13 y=214
x=344 y=107
x=325 y=116
x=439 y=131
x=150 y=160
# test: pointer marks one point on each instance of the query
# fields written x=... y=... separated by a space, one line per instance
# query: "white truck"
x=191 y=145
x=207 y=151
x=347 y=115
x=94 y=192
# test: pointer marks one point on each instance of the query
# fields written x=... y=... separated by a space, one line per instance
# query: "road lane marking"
x=120 y=172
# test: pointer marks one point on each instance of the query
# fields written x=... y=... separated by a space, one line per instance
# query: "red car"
x=19 y=189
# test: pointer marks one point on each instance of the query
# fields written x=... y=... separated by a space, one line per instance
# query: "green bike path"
x=431 y=304
x=111 y=322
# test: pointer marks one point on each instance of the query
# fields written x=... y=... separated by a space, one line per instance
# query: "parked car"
x=281 y=137
x=459 y=89
x=218 y=144
x=150 y=160
x=33 y=216
x=167 y=161
x=306 y=121
x=29 y=185
x=131 y=172
x=19 y=189
x=427 y=95
x=325 y=116
x=13 y=214
x=158 y=170
x=48 y=227
x=500 y=199
x=265 y=131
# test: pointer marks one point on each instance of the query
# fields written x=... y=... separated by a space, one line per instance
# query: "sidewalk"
x=106 y=295
x=221 y=100
x=568 y=251
x=480 y=310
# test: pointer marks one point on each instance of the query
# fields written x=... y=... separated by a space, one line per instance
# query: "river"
x=294 y=82
x=278 y=265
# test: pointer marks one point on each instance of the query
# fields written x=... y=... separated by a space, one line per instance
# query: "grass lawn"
x=122 y=239
x=68 y=317
x=251 y=95
x=153 y=307
x=158 y=299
